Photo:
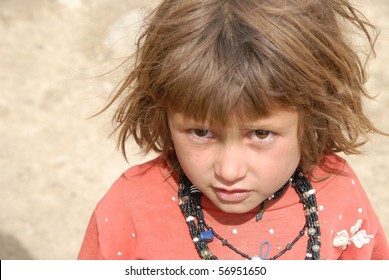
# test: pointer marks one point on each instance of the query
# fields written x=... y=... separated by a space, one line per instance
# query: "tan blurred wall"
x=55 y=163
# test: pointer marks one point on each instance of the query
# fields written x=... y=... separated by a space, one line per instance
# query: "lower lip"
x=235 y=196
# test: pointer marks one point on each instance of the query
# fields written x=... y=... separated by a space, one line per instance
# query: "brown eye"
x=261 y=134
x=201 y=132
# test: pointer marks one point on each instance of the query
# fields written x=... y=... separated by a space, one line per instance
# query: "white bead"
x=189 y=219
x=316 y=248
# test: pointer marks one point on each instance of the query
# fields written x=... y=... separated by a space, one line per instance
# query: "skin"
x=241 y=164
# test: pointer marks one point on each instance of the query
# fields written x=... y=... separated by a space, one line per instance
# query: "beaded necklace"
x=190 y=203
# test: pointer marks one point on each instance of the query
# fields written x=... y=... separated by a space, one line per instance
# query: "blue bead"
x=206 y=236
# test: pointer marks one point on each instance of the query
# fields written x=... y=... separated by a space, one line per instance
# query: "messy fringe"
x=211 y=59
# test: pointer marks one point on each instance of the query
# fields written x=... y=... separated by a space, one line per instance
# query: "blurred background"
x=59 y=61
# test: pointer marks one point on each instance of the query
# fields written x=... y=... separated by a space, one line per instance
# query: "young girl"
x=247 y=103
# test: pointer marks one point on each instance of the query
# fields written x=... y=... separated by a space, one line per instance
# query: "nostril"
x=229 y=174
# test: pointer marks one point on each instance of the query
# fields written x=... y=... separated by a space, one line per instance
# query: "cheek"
x=188 y=157
x=290 y=150
x=290 y=156
x=191 y=162
x=281 y=161
x=195 y=163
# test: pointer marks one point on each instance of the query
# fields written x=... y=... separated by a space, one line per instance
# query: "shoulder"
x=336 y=181
x=131 y=206
x=348 y=221
x=141 y=176
x=152 y=169
x=334 y=172
x=140 y=183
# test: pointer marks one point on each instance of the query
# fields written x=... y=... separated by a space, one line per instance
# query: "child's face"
x=241 y=164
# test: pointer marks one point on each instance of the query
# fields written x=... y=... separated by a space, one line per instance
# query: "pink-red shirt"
x=139 y=218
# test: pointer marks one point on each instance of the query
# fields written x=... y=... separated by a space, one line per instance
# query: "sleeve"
x=368 y=241
x=381 y=249
x=110 y=231
x=90 y=248
x=349 y=217
x=375 y=249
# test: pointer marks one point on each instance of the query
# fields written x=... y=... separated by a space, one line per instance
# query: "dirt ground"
x=55 y=163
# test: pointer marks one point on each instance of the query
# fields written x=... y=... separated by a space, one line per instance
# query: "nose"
x=230 y=165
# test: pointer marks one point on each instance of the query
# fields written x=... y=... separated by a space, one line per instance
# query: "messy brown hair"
x=213 y=58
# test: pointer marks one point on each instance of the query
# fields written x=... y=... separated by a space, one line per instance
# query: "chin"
x=230 y=209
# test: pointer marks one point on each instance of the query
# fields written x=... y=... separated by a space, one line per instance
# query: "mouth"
x=232 y=195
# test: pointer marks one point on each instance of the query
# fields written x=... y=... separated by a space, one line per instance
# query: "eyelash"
x=269 y=135
x=196 y=134
x=200 y=135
